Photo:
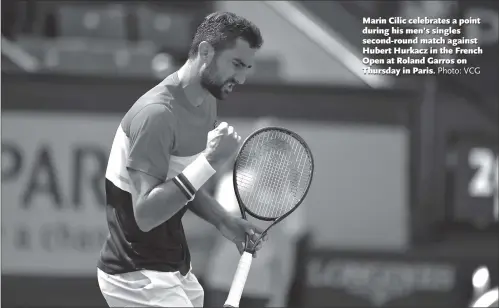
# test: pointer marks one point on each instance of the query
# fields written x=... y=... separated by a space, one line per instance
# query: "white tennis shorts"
x=147 y=288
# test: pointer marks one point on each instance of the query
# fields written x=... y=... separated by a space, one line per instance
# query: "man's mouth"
x=229 y=86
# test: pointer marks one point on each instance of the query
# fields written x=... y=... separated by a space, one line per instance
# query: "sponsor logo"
x=380 y=282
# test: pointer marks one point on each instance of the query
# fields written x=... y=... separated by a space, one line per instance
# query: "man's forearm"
x=207 y=208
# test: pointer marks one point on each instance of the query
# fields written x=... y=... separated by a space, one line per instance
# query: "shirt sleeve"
x=151 y=138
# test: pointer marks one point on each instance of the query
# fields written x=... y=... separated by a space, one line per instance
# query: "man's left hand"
x=235 y=229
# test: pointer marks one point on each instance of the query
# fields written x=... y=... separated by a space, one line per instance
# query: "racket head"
x=300 y=142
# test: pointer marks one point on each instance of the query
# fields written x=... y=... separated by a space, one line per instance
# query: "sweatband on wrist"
x=188 y=193
x=194 y=176
x=198 y=172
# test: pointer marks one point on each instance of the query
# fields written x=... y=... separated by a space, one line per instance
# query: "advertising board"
x=336 y=278
x=53 y=198
x=53 y=214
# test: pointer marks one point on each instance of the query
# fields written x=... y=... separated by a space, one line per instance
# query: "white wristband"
x=198 y=172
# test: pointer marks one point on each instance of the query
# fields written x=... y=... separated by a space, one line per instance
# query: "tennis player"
x=163 y=152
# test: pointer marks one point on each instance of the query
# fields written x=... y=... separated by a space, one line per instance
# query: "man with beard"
x=163 y=152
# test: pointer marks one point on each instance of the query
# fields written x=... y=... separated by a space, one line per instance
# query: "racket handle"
x=237 y=287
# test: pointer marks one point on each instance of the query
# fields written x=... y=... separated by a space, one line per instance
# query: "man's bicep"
x=151 y=141
x=142 y=184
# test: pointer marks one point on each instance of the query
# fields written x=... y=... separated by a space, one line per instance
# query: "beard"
x=211 y=84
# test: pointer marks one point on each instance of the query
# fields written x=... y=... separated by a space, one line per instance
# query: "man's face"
x=228 y=68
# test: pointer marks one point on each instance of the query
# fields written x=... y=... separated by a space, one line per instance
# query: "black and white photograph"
x=249 y=154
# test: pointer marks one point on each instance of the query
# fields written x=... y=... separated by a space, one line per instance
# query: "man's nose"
x=240 y=78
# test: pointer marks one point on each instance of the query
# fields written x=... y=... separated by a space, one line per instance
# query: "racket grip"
x=237 y=287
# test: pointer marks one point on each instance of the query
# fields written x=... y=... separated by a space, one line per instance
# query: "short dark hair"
x=221 y=29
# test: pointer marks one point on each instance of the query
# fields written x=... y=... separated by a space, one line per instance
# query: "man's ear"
x=206 y=52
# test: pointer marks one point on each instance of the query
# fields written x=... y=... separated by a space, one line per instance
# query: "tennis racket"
x=272 y=174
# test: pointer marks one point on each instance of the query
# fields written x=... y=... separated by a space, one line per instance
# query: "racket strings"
x=272 y=173
x=292 y=184
x=274 y=179
x=281 y=194
x=268 y=192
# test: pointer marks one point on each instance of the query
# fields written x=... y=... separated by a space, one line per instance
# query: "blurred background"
x=403 y=208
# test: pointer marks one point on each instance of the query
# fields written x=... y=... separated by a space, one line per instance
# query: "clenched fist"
x=222 y=144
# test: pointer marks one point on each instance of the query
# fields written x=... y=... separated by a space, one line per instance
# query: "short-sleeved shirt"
x=160 y=135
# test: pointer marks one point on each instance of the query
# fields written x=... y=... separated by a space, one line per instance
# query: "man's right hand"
x=222 y=144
